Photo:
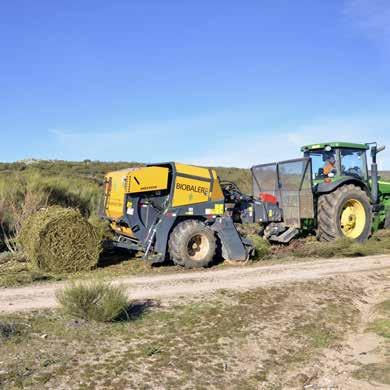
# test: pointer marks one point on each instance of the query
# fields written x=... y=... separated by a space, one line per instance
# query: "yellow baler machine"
x=194 y=186
x=177 y=210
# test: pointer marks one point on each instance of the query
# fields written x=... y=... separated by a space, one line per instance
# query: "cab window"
x=323 y=164
x=353 y=163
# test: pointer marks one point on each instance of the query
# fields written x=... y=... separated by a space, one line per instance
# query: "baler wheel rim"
x=197 y=246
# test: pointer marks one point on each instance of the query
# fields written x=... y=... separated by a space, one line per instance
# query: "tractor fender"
x=325 y=188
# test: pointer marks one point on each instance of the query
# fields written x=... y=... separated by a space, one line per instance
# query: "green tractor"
x=329 y=190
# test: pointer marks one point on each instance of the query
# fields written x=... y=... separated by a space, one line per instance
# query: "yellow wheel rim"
x=197 y=247
x=353 y=218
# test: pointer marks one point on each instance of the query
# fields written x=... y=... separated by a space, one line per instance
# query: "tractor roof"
x=335 y=145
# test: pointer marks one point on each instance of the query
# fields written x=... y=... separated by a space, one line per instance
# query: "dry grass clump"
x=379 y=243
x=59 y=240
x=10 y=257
x=12 y=262
x=94 y=301
x=8 y=330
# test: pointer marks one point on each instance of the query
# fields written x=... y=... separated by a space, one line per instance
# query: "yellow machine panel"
x=115 y=187
x=192 y=170
x=190 y=191
x=147 y=179
x=216 y=193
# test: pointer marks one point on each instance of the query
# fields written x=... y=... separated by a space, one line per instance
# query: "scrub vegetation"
x=265 y=339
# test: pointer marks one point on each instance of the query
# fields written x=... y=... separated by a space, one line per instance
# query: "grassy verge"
x=379 y=372
x=264 y=338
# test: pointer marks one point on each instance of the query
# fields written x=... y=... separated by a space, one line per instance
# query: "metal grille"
x=291 y=183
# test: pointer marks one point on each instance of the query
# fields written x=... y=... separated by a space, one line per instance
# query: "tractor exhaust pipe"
x=374 y=174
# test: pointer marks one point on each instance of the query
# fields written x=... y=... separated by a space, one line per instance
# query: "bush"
x=94 y=301
x=60 y=240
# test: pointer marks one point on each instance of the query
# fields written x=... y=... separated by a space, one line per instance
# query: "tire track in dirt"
x=173 y=286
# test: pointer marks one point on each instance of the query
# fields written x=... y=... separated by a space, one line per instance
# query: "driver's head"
x=329 y=157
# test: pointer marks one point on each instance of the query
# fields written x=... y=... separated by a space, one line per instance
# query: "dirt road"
x=172 y=286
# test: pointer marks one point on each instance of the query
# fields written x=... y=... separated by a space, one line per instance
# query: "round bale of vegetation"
x=60 y=240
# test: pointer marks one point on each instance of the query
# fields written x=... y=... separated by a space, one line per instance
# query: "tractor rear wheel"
x=192 y=244
x=345 y=212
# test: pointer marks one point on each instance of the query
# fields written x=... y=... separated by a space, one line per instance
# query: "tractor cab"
x=336 y=160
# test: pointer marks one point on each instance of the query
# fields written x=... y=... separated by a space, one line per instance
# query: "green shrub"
x=94 y=301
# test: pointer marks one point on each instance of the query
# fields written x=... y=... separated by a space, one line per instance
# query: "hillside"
x=93 y=171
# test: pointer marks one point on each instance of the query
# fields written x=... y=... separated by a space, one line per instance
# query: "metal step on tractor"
x=186 y=213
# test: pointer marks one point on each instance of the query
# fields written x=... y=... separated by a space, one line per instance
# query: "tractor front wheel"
x=345 y=212
x=192 y=244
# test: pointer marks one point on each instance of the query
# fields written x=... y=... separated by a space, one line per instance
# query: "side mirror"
x=380 y=149
x=375 y=150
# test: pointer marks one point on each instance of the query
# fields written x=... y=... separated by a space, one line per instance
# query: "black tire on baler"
x=192 y=244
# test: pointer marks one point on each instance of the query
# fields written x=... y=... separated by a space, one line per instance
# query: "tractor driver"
x=330 y=164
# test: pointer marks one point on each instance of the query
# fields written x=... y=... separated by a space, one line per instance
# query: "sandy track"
x=194 y=283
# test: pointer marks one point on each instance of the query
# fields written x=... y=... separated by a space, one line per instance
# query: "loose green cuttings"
x=261 y=246
x=59 y=239
x=94 y=301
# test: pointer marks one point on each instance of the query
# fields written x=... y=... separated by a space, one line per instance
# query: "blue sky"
x=206 y=82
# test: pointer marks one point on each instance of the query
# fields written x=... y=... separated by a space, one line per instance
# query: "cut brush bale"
x=59 y=240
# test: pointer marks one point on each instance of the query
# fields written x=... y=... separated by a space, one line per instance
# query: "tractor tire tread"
x=328 y=206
